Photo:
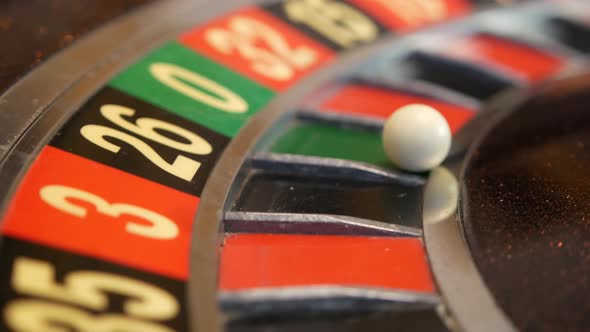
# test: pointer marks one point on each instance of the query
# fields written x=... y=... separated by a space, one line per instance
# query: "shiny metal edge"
x=463 y=291
x=351 y=121
x=301 y=223
x=467 y=299
x=469 y=304
x=397 y=76
x=331 y=291
x=322 y=167
x=321 y=298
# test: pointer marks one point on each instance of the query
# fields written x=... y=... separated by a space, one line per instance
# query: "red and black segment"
x=291 y=276
x=430 y=73
x=306 y=201
x=551 y=27
x=81 y=293
x=129 y=134
x=518 y=59
x=79 y=205
x=473 y=82
x=308 y=238
x=337 y=24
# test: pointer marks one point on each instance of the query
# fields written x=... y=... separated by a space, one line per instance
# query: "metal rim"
x=462 y=287
x=208 y=227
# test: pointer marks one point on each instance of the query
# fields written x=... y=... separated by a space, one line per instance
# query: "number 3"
x=161 y=227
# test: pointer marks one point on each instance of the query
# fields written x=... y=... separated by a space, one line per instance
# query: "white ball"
x=416 y=137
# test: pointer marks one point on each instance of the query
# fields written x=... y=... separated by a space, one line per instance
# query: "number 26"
x=182 y=167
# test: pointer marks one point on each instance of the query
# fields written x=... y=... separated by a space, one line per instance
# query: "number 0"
x=204 y=89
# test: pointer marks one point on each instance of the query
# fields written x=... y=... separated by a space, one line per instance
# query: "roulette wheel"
x=208 y=166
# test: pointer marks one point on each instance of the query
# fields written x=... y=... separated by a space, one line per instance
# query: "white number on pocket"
x=146 y=127
x=90 y=289
x=182 y=167
x=204 y=90
x=59 y=197
x=266 y=48
x=39 y=316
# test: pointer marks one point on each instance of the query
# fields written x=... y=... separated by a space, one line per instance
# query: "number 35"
x=144 y=303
